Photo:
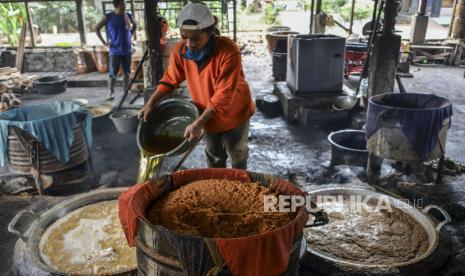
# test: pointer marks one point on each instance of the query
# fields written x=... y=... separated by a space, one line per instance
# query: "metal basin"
x=50 y=85
x=99 y=111
x=30 y=261
x=342 y=103
x=420 y=215
x=167 y=123
x=348 y=147
x=125 y=120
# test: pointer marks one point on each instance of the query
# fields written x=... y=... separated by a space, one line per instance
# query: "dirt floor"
x=298 y=153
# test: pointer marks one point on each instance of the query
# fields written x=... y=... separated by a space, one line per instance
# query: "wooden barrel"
x=20 y=160
x=156 y=254
x=164 y=252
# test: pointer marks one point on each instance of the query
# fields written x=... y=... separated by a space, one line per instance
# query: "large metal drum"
x=390 y=141
x=164 y=252
x=20 y=159
x=27 y=257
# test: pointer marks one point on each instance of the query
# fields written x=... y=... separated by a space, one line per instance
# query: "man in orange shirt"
x=212 y=67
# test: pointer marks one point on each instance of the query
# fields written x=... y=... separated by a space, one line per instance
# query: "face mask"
x=201 y=55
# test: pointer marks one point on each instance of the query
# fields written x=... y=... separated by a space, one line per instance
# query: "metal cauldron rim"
x=424 y=220
x=164 y=102
x=380 y=96
x=33 y=234
x=332 y=142
x=301 y=212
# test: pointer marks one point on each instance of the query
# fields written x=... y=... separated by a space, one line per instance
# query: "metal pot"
x=31 y=263
x=348 y=147
x=50 y=85
x=420 y=215
x=170 y=119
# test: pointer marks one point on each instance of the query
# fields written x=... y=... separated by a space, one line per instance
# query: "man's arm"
x=194 y=129
x=151 y=103
x=99 y=26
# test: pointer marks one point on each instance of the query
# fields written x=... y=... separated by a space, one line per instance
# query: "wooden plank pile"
x=15 y=81
x=12 y=85
x=442 y=54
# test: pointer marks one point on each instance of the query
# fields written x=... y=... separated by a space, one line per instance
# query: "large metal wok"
x=422 y=216
x=29 y=262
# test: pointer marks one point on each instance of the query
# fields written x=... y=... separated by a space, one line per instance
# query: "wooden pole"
x=318 y=6
x=153 y=34
x=235 y=20
x=352 y=11
x=312 y=17
x=422 y=7
x=133 y=11
x=452 y=19
x=21 y=46
x=29 y=23
x=390 y=10
x=81 y=25
x=458 y=23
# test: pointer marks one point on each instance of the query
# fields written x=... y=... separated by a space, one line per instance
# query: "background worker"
x=119 y=31
x=211 y=65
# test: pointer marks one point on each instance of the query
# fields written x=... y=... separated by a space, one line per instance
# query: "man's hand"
x=145 y=112
x=193 y=131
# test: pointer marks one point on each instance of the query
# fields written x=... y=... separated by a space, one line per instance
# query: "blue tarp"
x=420 y=116
x=51 y=124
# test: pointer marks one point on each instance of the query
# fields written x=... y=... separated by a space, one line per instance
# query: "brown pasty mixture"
x=379 y=238
x=217 y=209
x=89 y=240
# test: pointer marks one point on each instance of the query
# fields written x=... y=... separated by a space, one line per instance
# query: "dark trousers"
x=233 y=142
x=116 y=62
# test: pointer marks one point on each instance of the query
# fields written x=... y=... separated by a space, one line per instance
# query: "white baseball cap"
x=197 y=12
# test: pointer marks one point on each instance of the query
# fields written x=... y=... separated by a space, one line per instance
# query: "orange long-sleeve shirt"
x=219 y=84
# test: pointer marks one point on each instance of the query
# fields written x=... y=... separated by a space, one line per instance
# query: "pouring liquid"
x=153 y=154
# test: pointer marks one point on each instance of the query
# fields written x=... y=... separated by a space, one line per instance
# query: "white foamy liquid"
x=82 y=242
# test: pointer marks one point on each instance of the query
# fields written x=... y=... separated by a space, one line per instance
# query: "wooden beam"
x=133 y=11
x=234 y=19
x=29 y=23
x=153 y=34
x=457 y=29
x=21 y=45
x=81 y=24
x=318 y=6
x=312 y=8
x=34 y=1
x=352 y=11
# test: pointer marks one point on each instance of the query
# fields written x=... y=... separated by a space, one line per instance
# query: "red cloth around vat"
x=132 y=204
x=263 y=254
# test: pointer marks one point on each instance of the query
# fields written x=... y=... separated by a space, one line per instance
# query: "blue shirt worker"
x=119 y=28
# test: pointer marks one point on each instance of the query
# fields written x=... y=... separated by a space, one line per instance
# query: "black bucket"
x=50 y=85
x=348 y=147
x=279 y=66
